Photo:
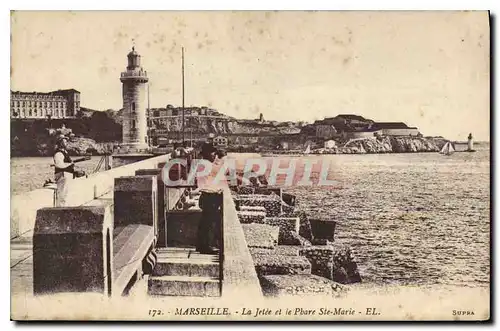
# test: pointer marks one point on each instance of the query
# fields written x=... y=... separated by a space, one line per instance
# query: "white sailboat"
x=308 y=150
x=447 y=149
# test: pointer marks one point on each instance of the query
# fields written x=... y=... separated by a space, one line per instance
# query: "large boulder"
x=274 y=264
x=261 y=235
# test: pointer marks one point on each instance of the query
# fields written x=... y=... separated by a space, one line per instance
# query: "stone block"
x=345 y=268
x=252 y=208
x=321 y=258
x=269 y=191
x=301 y=285
x=257 y=250
x=286 y=224
x=134 y=184
x=136 y=201
x=272 y=203
x=261 y=235
x=293 y=238
x=334 y=261
x=274 y=264
x=286 y=208
x=72 y=249
x=251 y=216
x=304 y=227
x=161 y=235
x=322 y=229
x=288 y=250
x=246 y=190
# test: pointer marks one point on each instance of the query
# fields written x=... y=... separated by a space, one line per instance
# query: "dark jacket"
x=208 y=151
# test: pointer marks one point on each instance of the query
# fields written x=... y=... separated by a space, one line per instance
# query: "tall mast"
x=183 y=95
x=149 y=120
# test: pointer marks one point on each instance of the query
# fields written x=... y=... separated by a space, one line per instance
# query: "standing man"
x=208 y=150
x=211 y=200
x=209 y=229
x=64 y=170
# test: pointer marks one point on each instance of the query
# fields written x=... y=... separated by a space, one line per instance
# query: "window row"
x=36 y=113
x=38 y=104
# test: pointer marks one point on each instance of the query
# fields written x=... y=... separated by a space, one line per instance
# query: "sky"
x=427 y=69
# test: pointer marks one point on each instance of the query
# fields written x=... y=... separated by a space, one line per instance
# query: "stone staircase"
x=185 y=272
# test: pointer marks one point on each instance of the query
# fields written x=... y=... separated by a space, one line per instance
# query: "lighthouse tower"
x=134 y=80
x=470 y=143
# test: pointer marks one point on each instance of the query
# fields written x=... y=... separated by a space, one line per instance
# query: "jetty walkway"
x=123 y=232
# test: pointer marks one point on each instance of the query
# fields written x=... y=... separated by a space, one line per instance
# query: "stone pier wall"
x=81 y=191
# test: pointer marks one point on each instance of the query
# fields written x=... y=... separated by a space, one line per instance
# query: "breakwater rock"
x=390 y=145
x=300 y=285
x=292 y=253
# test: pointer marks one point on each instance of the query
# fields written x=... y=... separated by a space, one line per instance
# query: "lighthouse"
x=134 y=81
x=470 y=143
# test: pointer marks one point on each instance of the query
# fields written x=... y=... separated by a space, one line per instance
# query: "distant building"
x=56 y=104
x=395 y=129
x=354 y=121
x=364 y=133
x=348 y=126
x=220 y=141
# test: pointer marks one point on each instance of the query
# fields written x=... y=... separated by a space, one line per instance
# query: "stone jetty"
x=126 y=233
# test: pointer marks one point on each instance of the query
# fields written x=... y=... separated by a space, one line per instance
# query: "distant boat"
x=447 y=149
x=308 y=150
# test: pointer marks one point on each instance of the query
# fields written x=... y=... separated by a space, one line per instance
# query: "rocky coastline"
x=79 y=146
x=76 y=147
x=379 y=145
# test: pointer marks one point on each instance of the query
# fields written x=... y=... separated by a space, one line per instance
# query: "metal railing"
x=140 y=73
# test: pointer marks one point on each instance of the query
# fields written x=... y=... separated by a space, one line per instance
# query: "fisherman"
x=64 y=170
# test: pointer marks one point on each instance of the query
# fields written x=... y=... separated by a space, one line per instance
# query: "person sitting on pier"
x=178 y=171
